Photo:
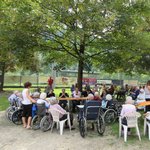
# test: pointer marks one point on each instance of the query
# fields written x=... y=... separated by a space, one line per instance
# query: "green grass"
x=3 y=103
x=133 y=137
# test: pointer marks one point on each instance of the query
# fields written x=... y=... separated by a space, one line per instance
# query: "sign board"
x=90 y=81
x=104 y=82
x=117 y=82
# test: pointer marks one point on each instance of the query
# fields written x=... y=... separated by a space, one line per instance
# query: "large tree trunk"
x=80 y=74
x=80 y=65
x=2 y=72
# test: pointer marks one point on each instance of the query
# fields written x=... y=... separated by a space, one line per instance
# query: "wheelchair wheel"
x=8 y=113
x=100 y=125
x=46 y=123
x=82 y=127
x=17 y=117
x=110 y=116
x=35 y=123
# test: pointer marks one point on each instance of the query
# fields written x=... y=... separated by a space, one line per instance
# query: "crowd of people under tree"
x=130 y=94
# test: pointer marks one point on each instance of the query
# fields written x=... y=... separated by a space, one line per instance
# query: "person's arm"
x=29 y=97
x=47 y=104
x=66 y=94
x=62 y=111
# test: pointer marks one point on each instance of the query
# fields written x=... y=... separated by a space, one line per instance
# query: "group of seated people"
x=51 y=102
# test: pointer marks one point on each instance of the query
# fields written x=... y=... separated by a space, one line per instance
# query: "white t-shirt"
x=147 y=93
x=76 y=95
x=25 y=101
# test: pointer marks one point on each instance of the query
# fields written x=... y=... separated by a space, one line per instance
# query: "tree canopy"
x=113 y=35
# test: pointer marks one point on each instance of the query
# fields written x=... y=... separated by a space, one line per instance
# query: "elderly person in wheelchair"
x=110 y=109
x=89 y=112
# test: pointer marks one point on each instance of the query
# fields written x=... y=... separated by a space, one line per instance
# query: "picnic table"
x=146 y=103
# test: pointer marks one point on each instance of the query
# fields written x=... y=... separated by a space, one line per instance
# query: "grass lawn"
x=3 y=103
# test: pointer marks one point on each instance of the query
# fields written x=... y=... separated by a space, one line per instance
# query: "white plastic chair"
x=55 y=114
x=146 y=124
x=132 y=122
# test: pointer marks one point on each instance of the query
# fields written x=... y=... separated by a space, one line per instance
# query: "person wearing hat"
x=107 y=101
x=42 y=99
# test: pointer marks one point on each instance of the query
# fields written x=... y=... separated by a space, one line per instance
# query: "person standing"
x=147 y=95
x=27 y=105
x=50 y=82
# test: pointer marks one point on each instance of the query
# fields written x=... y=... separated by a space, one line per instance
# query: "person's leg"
x=24 y=122
x=29 y=115
x=29 y=122
x=73 y=105
x=24 y=116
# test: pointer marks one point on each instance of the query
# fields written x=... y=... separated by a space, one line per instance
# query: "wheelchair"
x=111 y=113
x=46 y=122
x=90 y=113
x=41 y=112
x=17 y=116
x=14 y=106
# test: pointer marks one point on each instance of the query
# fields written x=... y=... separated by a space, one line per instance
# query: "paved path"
x=14 y=137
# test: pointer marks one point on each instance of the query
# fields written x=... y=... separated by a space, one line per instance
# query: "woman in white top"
x=147 y=95
x=27 y=106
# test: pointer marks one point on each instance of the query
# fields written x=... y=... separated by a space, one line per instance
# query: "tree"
x=106 y=31
x=17 y=47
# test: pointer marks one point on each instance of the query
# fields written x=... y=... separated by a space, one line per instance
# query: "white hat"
x=129 y=100
x=43 y=96
x=108 y=97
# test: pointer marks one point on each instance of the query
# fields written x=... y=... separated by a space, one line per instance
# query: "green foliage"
x=113 y=35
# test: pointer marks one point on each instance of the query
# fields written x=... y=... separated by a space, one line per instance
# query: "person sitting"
x=35 y=96
x=43 y=100
x=97 y=96
x=76 y=94
x=63 y=113
x=127 y=108
x=88 y=107
x=107 y=101
x=63 y=103
x=51 y=93
x=141 y=98
x=13 y=98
